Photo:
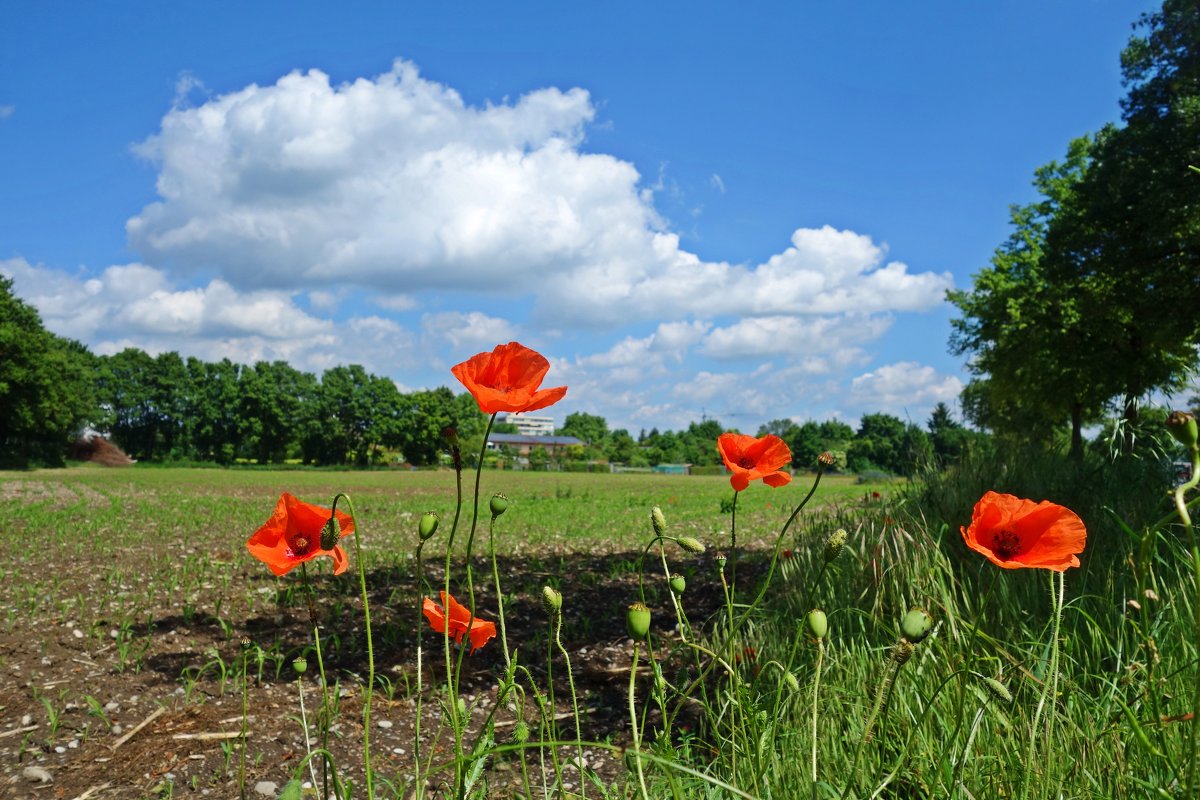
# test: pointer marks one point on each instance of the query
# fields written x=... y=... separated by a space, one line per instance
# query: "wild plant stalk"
x=1181 y=506
x=418 y=784
x=370 y=688
x=1049 y=682
x=300 y=665
x=816 y=693
x=245 y=712
x=310 y=596
x=633 y=723
x=557 y=623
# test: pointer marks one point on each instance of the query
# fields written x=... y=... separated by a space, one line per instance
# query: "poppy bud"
x=818 y=624
x=834 y=545
x=1182 y=426
x=720 y=559
x=637 y=621
x=300 y=664
x=428 y=526
x=902 y=652
x=552 y=600
x=791 y=681
x=998 y=690
x=331 y=531
x=462 y=708
x=520 y=732
x=692 y=545
x=916 y=625
x=499 y=505
x=658 y=521
x=678 y=583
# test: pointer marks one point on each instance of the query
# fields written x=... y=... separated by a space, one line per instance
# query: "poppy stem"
x=816 y=693
x=574 y=699
x=418 y=786
x=1181 y=507
x=637 y=744
x=310 y=595
x=1049 y=681
x=370 y=689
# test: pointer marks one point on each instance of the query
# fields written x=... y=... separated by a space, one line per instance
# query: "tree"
x=213 y=414
x=621 y=447
x=783 y=428
x=1036 y=352
x=588 y=428
x=1132 y=238
x=46 y=392
x=881 y=442
x=948 y=438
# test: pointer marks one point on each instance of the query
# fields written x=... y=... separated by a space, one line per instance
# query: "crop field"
x=125 y=595
x=146 y=654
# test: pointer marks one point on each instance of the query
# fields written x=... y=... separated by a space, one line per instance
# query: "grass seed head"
x=658 y=521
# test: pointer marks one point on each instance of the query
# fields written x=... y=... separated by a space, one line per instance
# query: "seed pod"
x=498 y=505
x=520 y=732
x=825 y=459
x=428 y=526
x=834 y=545
x=678 y=583
x=551 y=600
x=331 y=531
x=246 y=643
x=720 y=559
x=690 y=544
x=818 y=624
x=658 y=521
x=300 y=664
x=637 y=621
x=916 y=625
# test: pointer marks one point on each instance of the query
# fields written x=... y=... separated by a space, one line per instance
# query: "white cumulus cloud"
x=905 y=385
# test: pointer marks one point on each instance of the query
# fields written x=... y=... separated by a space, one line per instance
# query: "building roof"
x=544 y=441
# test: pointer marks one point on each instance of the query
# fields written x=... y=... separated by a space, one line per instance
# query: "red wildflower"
x=1015 y=533
x=479 y=632
x=293 y=535
x=749 y=459
x=507 y=379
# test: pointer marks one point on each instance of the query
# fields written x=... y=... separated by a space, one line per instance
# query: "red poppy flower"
x=1015 y=533
x=749 y=459
x=293 y=535
x=480 y=630
x=507 y=379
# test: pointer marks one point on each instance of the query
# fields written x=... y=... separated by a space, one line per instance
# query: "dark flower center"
x=746 y=462
x=300 y=545
x=1006 y=544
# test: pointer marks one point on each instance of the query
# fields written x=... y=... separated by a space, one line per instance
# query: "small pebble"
x=266 y=788
x=78 y=634
x=26 y=720
x=116 y=729
x=60 y=749
x=385 y=723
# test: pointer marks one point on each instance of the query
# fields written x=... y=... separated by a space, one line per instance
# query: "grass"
x=953 y=718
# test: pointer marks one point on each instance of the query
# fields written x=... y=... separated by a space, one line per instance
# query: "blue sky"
x=690 y=208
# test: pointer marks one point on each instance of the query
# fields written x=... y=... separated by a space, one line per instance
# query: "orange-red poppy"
x=507 y=379
x=1015 y=533
x=479 y=632
x=750 y=458
x=293 y=535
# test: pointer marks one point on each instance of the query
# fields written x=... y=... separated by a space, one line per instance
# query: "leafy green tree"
x=880 y=443
x=271 y=397
x=621 y=447
x=126 y=389
x=424 y=415
x=46 y=393
x=948 y=437
x=589 y=428
x=214 y=426
x=1130 y=244
x=783 y=428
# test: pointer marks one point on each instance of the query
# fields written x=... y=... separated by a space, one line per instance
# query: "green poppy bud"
x=462 y=708
x=300 y=665
x=658 y=521
x=1182 y=426
x=331 y=531
x=902 y=652
x=818 y=624
x=552 y=600
x=692 y=545
x=834 y=545
x=916 y=625
x=499 y=505
x=428 y=526
x=678 y=583
x=520 y=732
x=637 y=621
x=791 y=681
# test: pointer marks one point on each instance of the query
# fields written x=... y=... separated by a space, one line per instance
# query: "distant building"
x=523 y=443
x=531 y=424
